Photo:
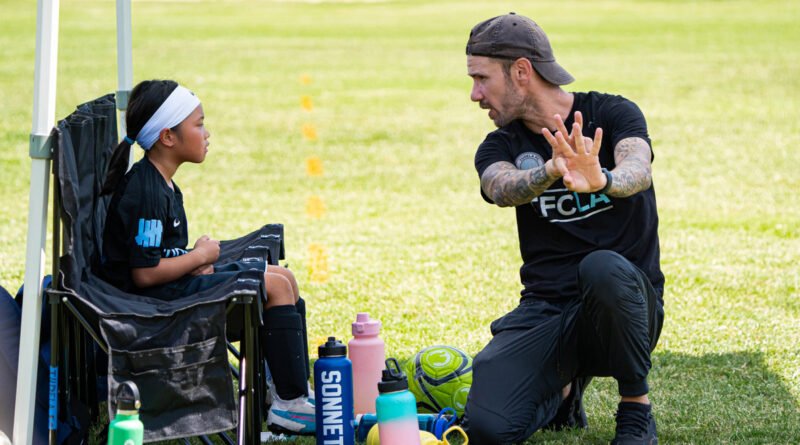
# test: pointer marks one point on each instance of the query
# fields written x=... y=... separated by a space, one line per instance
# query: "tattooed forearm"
x=508 y=186
x=632 y=173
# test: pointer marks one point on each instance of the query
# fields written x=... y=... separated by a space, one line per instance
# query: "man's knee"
x=485 y=427
x=497 y=424
x=605 y=276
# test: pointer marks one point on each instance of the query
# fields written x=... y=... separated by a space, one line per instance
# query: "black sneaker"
x=570 y=413
x=635 y=425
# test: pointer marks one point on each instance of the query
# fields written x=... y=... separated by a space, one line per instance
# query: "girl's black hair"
x=143 y=102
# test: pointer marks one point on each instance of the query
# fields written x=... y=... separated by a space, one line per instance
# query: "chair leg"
x=55 y=354
x=241 y=428
x=80 y=376
x=225 y=438
x=249 y=422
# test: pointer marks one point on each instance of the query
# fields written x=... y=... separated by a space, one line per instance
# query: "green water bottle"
x=126 y=428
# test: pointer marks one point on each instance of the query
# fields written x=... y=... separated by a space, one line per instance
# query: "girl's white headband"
x=180 y=104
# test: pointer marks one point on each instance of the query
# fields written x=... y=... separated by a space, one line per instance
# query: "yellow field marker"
x=318 y=263
x=310 y=132
x=307 y=103
x=314 y=166
x=315 y=207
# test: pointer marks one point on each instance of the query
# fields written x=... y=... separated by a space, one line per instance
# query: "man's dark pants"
x=541 y=346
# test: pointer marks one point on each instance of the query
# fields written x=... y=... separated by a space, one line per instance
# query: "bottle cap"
x=392 y=378
x=128 y=397
x=364 y=326
x=332 y=348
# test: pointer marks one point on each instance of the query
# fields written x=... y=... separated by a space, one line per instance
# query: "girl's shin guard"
x=301 y=309
x=282 y=344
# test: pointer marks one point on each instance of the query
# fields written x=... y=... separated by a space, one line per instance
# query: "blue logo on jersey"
x=149 y=233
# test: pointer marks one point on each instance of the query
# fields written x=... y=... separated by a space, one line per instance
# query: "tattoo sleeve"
x=633 y=172
x=509 y=186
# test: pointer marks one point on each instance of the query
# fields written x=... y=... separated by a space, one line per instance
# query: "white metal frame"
x=44 y=101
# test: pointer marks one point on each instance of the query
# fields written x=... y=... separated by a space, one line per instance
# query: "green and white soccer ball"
x=439 y=377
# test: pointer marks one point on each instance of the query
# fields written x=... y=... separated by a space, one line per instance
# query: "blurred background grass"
x=406 y=234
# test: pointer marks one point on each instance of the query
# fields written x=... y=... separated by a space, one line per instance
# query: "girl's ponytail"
x=117 y=166
x=144 y=100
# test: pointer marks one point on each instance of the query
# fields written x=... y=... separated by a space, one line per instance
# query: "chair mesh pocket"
x=190 y=382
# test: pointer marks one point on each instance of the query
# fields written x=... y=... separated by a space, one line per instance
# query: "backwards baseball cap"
x=512 y=36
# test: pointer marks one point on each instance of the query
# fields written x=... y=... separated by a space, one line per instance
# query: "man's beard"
x=514 y=105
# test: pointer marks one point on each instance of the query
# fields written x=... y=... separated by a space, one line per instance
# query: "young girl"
x=146 y=236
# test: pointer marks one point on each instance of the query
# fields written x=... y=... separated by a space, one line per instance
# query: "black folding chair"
x=175 y=351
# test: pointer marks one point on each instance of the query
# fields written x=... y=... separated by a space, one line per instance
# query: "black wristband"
x=609 y=180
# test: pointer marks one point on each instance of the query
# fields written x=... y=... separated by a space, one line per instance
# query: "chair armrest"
x=265 y=244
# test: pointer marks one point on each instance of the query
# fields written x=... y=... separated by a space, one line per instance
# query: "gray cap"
x=512 y=36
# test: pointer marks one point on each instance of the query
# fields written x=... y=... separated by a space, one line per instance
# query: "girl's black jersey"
x=146 y=221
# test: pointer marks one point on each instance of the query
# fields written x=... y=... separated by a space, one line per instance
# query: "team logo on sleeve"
x=150 y=231
x=172 y=253
x=528 y=160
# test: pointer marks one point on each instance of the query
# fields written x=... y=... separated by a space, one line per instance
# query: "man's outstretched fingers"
x=550 y=138
x=598 y=139
x=561 y=166
x=580 y=146
x=560 y=125
x=564 y=148
x=579 y=119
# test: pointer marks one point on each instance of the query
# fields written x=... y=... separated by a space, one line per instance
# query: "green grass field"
x=405 y=232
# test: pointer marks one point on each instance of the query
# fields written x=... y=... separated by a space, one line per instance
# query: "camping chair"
x=175 y=351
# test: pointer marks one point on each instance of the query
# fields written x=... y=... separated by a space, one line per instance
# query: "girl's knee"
x=288 y=275
x=279 y=290
x=282 y=271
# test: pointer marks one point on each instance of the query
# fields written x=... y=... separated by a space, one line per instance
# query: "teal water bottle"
x=126 y=428
x=396 y=408
x=432 y=423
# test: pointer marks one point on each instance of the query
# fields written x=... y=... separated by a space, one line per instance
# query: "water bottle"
x=366 y=351
x=126 y=428
x=333 y=394
x=425 y=422
x=396 y=408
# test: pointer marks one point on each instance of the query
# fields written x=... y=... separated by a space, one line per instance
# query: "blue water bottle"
x=333 y=394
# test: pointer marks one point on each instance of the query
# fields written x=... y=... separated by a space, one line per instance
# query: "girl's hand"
x=208 y=248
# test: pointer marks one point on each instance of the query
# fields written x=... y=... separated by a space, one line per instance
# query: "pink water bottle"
x=367 y=352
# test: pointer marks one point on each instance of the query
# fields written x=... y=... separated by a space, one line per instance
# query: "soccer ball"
x=439 y=377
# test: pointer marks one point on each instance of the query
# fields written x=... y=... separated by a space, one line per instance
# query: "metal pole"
x=124 y=63
x=44 y=104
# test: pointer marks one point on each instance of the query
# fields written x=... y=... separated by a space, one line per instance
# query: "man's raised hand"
x=576 y=156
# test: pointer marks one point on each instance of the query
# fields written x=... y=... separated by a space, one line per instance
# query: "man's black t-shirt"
x=145 y=222
x=559 y=227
